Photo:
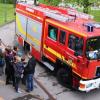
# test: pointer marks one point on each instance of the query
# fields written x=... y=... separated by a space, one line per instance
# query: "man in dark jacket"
x=18 y=69
x=29 y=72
x=9 y=70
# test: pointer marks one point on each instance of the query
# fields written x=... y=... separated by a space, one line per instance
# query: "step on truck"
x=63 y=39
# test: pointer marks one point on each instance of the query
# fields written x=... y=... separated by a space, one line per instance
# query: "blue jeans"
x=29 y=82
x=17 y=81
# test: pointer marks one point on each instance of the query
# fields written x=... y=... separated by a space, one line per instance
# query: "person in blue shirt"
x=29 y=72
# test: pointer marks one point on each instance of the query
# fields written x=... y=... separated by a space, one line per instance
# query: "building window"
x=62 y=38
x=52 y=32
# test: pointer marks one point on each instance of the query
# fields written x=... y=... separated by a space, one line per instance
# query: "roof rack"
x=79 y=14
x=54 y=14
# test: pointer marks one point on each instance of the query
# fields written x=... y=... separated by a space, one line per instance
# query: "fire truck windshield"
x=93 y=48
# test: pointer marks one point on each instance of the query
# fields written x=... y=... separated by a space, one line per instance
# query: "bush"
x=7 y=1
x=1 y=1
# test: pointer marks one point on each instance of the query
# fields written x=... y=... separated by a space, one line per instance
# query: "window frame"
x=53 y=37
x=82 y=45
x=60 y=34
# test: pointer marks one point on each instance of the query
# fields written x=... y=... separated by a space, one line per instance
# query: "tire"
x=64 y=77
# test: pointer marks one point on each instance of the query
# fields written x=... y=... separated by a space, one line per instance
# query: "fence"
x=6 y=13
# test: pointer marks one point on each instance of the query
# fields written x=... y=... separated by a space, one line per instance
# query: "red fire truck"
x=63 y=39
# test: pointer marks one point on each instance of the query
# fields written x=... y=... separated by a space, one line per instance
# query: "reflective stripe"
x=20 y=26
x=58 y=55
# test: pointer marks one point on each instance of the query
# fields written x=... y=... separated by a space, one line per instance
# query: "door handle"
x=46 y=46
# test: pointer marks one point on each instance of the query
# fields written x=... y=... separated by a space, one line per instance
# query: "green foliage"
x=50 y=2
x=96 y=14
x=55 y=2
x=1 y=1
x=85 y=3
x=6 y=13
x=7 y=1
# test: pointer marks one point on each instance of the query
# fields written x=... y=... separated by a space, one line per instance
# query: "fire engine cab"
x=64 y=40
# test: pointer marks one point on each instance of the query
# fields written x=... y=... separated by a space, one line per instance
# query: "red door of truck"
x=50 y=42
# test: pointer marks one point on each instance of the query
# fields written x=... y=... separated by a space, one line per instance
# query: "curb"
x=7 y=23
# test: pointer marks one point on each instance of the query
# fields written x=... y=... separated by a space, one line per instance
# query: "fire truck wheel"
x=64 y=77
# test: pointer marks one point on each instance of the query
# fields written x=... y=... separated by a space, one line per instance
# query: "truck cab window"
x=52 y=32
x=76 y=43
x=71 y=42
x=93 y=48
x=62 y=38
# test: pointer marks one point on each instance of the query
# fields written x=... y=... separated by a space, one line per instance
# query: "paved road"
x=7 y=92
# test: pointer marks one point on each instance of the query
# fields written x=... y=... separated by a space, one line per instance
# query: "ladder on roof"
x=54 y=14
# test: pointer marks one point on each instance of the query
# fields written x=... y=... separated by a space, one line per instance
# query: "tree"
x=52 y=2
x=84 y=3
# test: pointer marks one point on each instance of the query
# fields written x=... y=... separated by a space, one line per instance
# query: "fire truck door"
x=61 y=46
x=74 y=52
x=50 y=44
x=21 y=25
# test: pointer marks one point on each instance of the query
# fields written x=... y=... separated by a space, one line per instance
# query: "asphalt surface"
x=7 y=34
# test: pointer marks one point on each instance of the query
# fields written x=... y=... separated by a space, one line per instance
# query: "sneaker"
x=19 y=91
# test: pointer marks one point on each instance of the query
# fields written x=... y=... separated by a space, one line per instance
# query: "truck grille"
x=98 y=72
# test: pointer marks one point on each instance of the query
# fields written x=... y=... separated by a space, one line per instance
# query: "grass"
x=6 y=13
x=96 y=14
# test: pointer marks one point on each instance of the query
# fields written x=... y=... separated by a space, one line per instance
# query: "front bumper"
x=89 y=85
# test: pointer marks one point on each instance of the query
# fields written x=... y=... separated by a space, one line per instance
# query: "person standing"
x=15 y=51
x=9 y=70
x=18 y=69
x=29 y=71
x=2 y=62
